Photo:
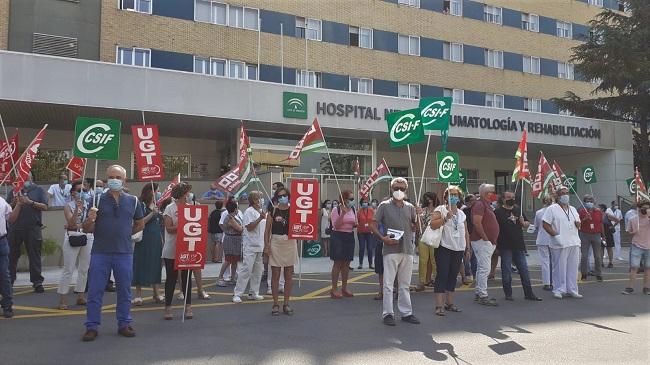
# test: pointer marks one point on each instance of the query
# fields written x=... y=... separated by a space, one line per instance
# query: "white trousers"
x=545 y=260
x=483 y=251
x=617 y=243
x=250 y=268
x=70 y=256
x=398 y=265
x=565 y=269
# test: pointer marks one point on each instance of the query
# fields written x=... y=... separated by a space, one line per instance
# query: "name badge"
x=366 y=225
x=592 y=226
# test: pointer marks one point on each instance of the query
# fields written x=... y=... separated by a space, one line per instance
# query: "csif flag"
x=168 y=192
x=8 y=157
x=521 y=171
x=26 y=161
x=312 y=141
x=382 y=172
x=543 y=177
x=233 y=180
x=641 y=190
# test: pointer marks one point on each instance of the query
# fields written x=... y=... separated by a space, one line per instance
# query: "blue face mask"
x=158 y=195
x=115 y=184
x=328 y=206
x=453 y=200
x=27 y=184
x=65 y=182
x=564 y=199
x=589 y=205
x=99 y=190
x=283 y=200
x=84 y=195
x=351 y=203
x=364 y=205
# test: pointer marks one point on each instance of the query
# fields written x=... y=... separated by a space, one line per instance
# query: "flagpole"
x=186 y=294
x=259 y=43
x=11 y=153
x=408 y=148
x=424 y=166
x=23 y=154
x=300 y=265
x=331 y=163
x=95 y=187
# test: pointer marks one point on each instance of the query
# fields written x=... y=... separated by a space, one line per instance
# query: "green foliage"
x=175 y=165
x=50 y=247
x=49 y=164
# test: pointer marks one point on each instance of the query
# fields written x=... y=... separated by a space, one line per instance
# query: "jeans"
x=426 y=254
x=483 y=251
x=70 y=256
x=99 y=272
x=367 y=244
x=519 y=258
x=471 y=265
x=593 y=241
x=172 y=278
x=447 y=269
x=5 y=278
x=400 y=266
x=33 y=240
x=250 y=269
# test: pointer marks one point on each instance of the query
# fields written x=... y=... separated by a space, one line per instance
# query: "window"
x=457 y=95
x=531 y=65
x=251 y=72
x=308 y=78
x=452 y=52
x=564 y=112
x=493 y=58
x=141 y=6
x=533 y=105
x=492 y=14
x=365 y=38
x=453 y=7
x=598 y=3
x=408 y=45
x=530 y=22
x=218 y=67
x=413 y=3
x=360 y=85
x=563 y=29
x=311 y=28
x=202 y=65
x=235 y=16
x=623 y=6
x=134 y=56
x=565 y=70
x=354 y=36
x=494 y=100
x=251 y=18
x=223 y=14
x=236 y=69
x=411 y=91
x=300 y=27
x=210 y=66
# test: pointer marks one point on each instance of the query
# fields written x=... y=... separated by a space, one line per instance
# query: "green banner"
x=463 y=180
x=435 y=113
x=405 y=128
x=97 y=138
x=294 y=105
x=571 y=182
x=448 y=167
x=631 y=186
x=589 y=175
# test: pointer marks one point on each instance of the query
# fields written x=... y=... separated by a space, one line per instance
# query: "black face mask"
x=510 y=202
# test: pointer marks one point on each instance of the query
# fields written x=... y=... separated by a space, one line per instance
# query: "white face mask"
x=399 y=195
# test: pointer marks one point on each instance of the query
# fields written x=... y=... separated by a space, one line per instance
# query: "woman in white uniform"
x=543 y=241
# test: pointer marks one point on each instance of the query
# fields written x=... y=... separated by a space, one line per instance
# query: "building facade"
x=198 y=68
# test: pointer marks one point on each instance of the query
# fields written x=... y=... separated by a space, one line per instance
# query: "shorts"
x=379 y=258
x=342 y=246
x=638 y=255
x=215 y=238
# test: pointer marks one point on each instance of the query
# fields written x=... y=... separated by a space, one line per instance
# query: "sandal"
x=204 y=295
x=63 y=307
x=430 y=284
x=168 y=316
x=275 y=310
x=158 y=299
x=452 y=308
x=189 y=315
x=286 y=309
x=440 y=311
x=137 y=301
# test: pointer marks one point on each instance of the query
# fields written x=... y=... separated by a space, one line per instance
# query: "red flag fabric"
x=543 y=177
x=303 y=218
x=26 y=161
x=233 y=179
x=76 y=167
x=641 y=191
x=560 y=176
x=191 y=237
x=521 y=171
x=381 y=172
x=312 y=141
x=168 y=192
x=7 y=153
x=146 y=147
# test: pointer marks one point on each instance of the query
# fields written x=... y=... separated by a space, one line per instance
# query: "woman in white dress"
x=326 y=211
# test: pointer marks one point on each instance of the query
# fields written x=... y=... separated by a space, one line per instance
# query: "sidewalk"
x=309 y=265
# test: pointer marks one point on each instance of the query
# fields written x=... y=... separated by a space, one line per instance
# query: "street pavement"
x=604 y=327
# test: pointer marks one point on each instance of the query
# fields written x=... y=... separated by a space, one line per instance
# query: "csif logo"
x=405 y=127
x=294 y=105
x=433 y=111
x=97 y=138
x=94 y=138
x=448 y=167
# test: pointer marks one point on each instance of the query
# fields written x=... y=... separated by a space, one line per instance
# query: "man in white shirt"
x=6 y=215
x=254 y=223
x=59 y=194
x=616 y=217
x=562 y=222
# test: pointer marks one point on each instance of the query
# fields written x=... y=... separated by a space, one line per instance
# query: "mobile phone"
x=391 y=236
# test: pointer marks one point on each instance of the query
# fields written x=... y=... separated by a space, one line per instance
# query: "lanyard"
x=566 y=212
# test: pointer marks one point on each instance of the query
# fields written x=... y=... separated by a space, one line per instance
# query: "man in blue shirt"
x=214 y=193
x=30 y=202
x=115 y=219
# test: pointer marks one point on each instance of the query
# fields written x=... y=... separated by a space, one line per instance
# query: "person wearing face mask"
x=75 y=212
x=367 y=242
x=274 y=187
x=562 y=222
x=591 y=235
x=325 y=226
x=216 y=232
x=59 y=193
x=147 y=265
x=214 y=193
x=542 y=242
x=453 y=246
x=608 y=239
x=344 y=221
x=616 y=217
x=251 y=269
x=484 y=238
x=281 y=250
x=374 y=204
x=30 y=202
x=426 y=253
x=113 y=221
x=399 y=218
x=511 y=246
x=227 y=276
x=7 y=216
x=232 y=242
x=639 y=227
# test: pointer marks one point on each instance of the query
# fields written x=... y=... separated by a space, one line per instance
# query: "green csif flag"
x=97 y=138
x=405 y=127
x=448 y=167
x=435 y=113
x=589 y=175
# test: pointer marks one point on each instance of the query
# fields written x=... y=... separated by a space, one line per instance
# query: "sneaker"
x=628 y=291
x=236 y=299
x=269 y=291
x=110 y=287
x=599 y=278
x=252 y=296
x=8 y=312
x=281 y=290
x=490 y=302
x=619 y=259
x=575 y=295
x=180 y=296
x=221 y=283
x=557 y=295
x=548 y=287
x=389 y=320
x=39 y=289
x=411 y=319
x=610 y=266
x=359 y=267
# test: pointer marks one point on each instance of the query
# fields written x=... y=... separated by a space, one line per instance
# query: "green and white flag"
x=405 y=127
x=97 y=138
x=589 y=175
x=448 y=167
x=435 y=113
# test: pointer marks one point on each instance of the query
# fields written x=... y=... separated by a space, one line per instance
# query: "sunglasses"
x=398 y=188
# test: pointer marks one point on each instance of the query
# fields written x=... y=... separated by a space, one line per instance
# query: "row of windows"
x=225 y=14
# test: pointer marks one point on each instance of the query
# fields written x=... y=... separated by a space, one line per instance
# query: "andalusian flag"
x=543 y=178
x=312 y=141
x=560 y=177
x=521 y=171
x=641 y=190
x=234 y=179
x=382 y=172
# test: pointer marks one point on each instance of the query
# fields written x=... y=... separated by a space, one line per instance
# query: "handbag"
x=432 y=237
x=136 y=237
x=77 y=239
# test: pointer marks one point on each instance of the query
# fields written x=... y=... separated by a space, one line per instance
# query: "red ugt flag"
x=27 y=160
x=521 y=171
x=168 y=192
x=312 y=141
x=76 y=167
x=146 y=147
x=8 y=152
x=191 y=237
x=233 y=179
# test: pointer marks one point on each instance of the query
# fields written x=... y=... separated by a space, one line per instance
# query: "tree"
x=617 y=55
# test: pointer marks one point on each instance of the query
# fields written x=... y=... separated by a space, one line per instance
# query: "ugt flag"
x=381 y=172
x=8 y=156
x=232 y=180
x=312 y=141
x=543 y=177
x=27 y=160
x=521 y=171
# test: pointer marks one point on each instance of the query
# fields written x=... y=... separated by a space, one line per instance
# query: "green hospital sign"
x=294 y=105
